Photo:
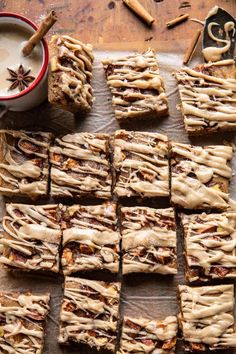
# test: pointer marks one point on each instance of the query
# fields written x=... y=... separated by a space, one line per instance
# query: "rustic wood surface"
x=109 y=24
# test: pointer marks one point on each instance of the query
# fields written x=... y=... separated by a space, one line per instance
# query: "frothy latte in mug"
x=22 y=70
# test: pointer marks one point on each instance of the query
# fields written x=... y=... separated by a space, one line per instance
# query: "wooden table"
x=108 y=24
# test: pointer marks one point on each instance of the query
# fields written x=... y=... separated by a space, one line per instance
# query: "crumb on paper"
x=148 y=39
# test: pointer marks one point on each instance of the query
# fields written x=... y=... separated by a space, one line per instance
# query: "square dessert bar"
x=90 y=238
x=81 y=166
x=22 y=322
x=24 y=167
x=89 y=313
x=30 y=238
x=136 y=86
x=208 y=97
x=141 y=164
x=200 y=176
x=69 y=80
x=210 y=246
x=206 y=317
x=148 y=240
x=141 y=335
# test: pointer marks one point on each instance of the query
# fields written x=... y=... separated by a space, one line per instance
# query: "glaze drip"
x=141 y=164
x=89 y=313
x=136 y=86
x=80 y=166
x=206 y=316
x=31 y=237
x=90 y=238
x=148 y=240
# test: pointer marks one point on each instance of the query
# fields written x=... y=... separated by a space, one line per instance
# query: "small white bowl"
x=37 y=92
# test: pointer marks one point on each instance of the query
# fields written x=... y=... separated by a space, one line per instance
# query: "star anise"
x=20 y=78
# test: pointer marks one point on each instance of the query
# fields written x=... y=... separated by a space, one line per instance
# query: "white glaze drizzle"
x=144 y=335
x=22 y=315
x=92 y=297
x=95 y=228
x=20 y=154
x=215 y=53
x=210 y=241
x=147 y=238
x=31 y=237
x=208 y=101
x=207 y=315
x=141 y=163
x=80 y=165
x=192 y=192
x=74 y=79
x=136 y=85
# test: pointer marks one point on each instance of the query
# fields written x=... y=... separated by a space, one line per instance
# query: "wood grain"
x=108 y=24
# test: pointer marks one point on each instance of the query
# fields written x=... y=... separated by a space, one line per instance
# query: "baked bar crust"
x=30 y=238
x=141 y=335
x=89 y=313
x=206 y=317
x=81 y=166
x=148 y=240
x=200 y=176
x=208 y=97
x=90 y=238
x=69 y=81
x=136 y=86
x=22 y=321
x=210 y=246
x=24 y=167
x=141 y=164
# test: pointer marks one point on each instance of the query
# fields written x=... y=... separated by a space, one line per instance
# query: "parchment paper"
x=147 y=295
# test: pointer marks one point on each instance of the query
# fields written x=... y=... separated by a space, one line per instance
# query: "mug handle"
x=3 y=110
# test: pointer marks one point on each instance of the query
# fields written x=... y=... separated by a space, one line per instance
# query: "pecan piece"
x=197 y=347
x=57 y=158
x=86 y=249
x=169 y=344
x=220 y=271
x=92 y=333
x=69 y=307
x=133 y=325
x=30 y=147
x=147 y=176
x=208 y=229
x=67 y=256
x=148 y=342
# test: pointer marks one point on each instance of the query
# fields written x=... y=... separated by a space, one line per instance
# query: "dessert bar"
x=210 y=246
x=141 y=335
x=136 y=86
x=148 y=240
x=81 y=166
x=90 y=238
x=200 y=176
x=24 y=167
x=89 y=313
x=30 y=238
x=69 y=81
x=141 y=164
x=208 y=97
x=206 y=317
x=22 y=322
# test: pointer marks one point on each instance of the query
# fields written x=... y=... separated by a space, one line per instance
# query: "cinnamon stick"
x=44 y=27
x=138 y=8
x=191 y=49
x=176 y=21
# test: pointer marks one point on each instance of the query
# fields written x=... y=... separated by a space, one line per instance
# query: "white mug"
x=37 y=92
